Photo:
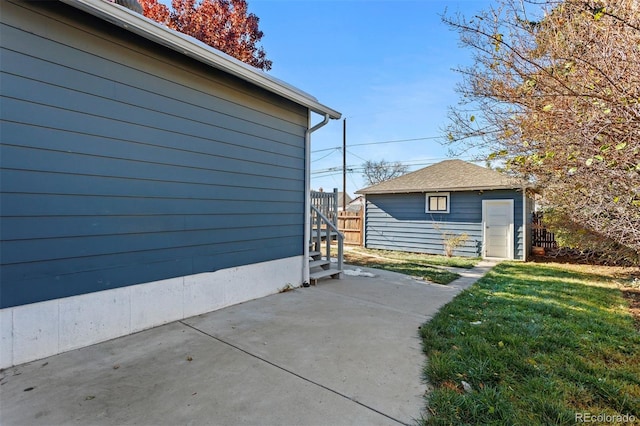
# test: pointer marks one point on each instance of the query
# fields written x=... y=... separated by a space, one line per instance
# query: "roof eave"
x=188 y=46
x=455 y=189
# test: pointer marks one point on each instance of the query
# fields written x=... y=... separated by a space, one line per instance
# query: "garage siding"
x=399 y=222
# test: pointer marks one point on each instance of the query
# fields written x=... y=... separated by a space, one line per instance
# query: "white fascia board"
x=191 y=47
x=423 y=190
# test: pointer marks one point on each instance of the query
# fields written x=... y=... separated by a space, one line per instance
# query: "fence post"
x=335 y=206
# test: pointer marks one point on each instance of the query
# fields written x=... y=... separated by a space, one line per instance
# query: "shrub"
x=574 y=240
x=453 y=241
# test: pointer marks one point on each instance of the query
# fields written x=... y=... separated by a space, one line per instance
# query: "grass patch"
x=425 y=266
x=420 y=258
x=426 y=272
x=538 y=344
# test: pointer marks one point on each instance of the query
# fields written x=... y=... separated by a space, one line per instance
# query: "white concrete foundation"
x=38 y=330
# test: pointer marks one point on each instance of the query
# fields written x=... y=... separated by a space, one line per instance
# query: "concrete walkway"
x=345 y=352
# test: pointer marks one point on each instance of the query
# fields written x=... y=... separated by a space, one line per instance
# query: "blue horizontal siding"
x=400 y=222
x=20 y=251
x=123 y=163
x=421 y=237
x=31 y=227
x=69 y=277
x=38 y=182
x=61 y=204
x=157 y=164
x=135 y=124
x=86 y=73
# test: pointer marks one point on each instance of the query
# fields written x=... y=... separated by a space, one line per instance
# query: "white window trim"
x=437 y=194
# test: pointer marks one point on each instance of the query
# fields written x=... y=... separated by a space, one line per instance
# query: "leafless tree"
x=381 y=171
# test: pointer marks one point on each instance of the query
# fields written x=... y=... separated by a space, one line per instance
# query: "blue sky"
x=386 y=65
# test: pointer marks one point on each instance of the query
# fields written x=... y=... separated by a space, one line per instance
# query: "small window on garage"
x=438 y=202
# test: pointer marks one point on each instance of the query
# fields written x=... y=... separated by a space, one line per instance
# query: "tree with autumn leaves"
x=554 y=92
x=223 y=24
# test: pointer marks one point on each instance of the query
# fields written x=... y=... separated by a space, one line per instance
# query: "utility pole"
x=344 y=164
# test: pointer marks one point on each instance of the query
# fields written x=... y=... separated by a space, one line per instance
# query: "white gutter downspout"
x=307 y=195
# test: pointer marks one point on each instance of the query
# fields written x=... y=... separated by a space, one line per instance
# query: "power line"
x=336 y=170
x=410 y=163
x=419 y=161
x=353 y=181
x=322 y=158
x=388 y=111
x=381 y=142
x=397 y=141
x=357 y=156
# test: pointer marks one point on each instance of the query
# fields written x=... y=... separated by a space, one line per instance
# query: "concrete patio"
x=346 y=352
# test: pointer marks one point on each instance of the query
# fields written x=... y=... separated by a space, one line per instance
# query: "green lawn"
x=429 y=259
x=425 y=266
x=535 y=345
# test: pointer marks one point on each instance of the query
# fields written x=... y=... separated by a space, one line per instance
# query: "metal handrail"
x=319 y=218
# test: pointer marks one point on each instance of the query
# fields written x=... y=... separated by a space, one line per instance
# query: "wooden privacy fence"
x=351 y=224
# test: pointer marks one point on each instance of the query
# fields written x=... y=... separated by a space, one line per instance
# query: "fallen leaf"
x=452 y=386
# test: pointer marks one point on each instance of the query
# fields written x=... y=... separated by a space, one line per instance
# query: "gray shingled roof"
x=448 y=175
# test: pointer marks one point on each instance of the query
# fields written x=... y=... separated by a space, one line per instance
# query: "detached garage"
x=146 y=177
x=417 y=211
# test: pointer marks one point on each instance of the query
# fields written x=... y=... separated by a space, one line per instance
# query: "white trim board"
x=39 y=330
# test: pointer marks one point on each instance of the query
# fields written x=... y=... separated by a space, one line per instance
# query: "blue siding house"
x=145 y=177
x=417 y=211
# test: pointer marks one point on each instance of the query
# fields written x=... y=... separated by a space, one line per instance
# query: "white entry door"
x=497 y=220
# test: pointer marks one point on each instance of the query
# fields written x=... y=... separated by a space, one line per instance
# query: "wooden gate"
x=541 y=237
